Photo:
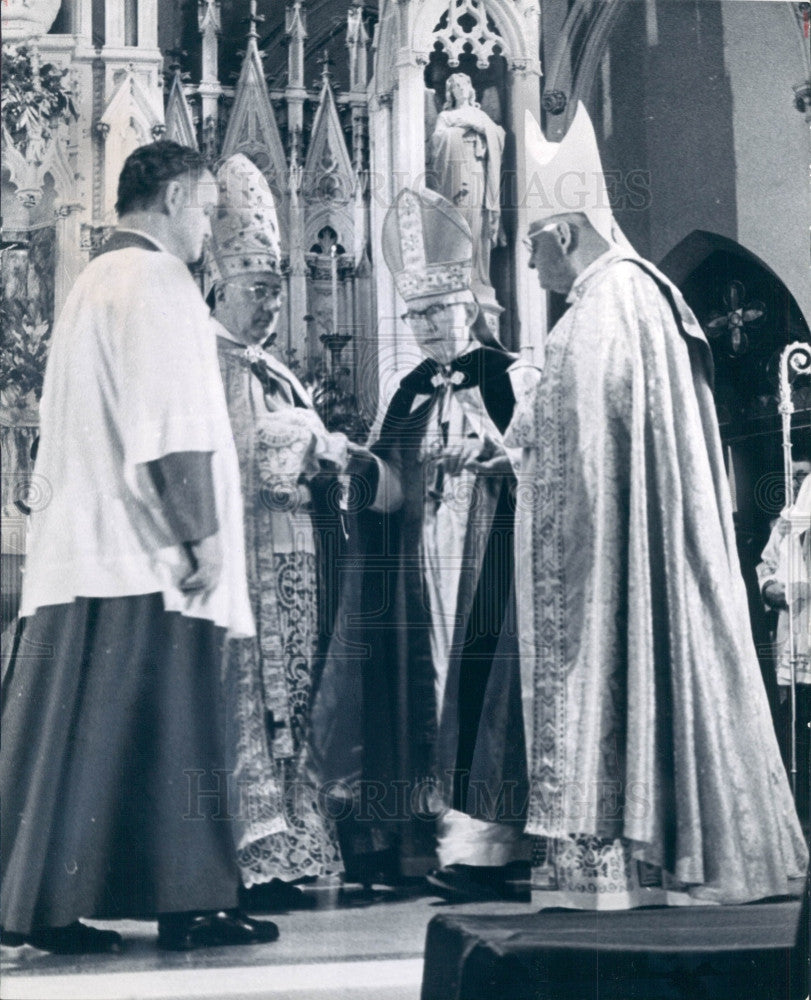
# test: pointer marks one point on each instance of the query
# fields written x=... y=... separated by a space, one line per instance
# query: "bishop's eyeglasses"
x=260 y=291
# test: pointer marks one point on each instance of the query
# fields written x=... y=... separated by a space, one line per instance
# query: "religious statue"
x=465 y=154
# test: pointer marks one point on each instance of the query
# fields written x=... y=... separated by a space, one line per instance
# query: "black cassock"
x=386 y=763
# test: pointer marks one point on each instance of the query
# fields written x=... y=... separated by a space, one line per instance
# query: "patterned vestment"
x=649 y=734
x=281 y=831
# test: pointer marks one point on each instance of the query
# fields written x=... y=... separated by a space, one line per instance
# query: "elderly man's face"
x=248 y=306
x=549 y=259
x=442 y=328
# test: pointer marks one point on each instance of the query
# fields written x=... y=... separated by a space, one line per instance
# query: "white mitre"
x=567 y=176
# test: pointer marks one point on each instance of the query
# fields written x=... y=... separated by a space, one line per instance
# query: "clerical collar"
x=579 y=284
x=225 y=334
x=146 y=236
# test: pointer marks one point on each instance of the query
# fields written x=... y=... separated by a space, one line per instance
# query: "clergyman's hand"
x=458 y=456
x=206 y=560
x=774 y=594
x=498 y=465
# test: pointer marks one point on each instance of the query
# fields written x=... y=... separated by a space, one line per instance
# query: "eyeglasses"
x=423 y=314
x=260 y=290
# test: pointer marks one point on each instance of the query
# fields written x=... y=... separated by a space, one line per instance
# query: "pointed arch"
x=517 y=24
x=328 y=172
x=694 y=250
x=252 y=130
x=179 y=119
x=128 y=120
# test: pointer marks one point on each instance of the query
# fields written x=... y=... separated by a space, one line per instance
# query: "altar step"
x=373 y=979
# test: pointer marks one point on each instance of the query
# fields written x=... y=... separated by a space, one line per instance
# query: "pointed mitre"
x=567 y=176
x=427 y=245
x=244 y=227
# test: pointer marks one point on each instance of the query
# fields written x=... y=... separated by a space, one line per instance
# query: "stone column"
x=147 y=24
x=114 y=24
x=297 y=296
x=209 y=89
x=381 y=377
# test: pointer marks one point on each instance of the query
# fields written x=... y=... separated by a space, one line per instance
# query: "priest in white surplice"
x=654 y=768
x=112 y=773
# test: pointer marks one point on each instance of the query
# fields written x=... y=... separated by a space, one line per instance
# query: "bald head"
x=561 y=248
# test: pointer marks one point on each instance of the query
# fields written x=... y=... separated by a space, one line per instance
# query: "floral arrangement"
x=332 y=395
x=34 y=98
x=24 y=344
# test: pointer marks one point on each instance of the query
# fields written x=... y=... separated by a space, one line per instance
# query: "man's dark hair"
x=148 y=170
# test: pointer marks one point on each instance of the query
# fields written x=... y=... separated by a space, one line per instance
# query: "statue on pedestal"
x=465 y=154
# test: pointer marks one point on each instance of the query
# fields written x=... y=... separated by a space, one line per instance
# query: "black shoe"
x=477 y=884
x=275 y=897
x=185 y=932
x=75 y=939
x=358 y=894
x=11 y=939
x=372 y=867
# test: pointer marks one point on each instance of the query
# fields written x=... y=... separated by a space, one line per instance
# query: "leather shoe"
x=275 y=897
x=477 y=884
x=75 y=939
x=187 y=931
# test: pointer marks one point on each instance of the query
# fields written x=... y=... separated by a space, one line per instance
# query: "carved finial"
x=208 y=16
x=325 y=62
x=296 y=20
x=357 y=38
x=253 y=19
x=176 y=56
x=296 y=28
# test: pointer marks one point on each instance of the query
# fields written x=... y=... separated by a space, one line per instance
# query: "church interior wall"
x=689 y=114
x=700 y=130
x=665 y=108
x=772 y=143
x=693 y=102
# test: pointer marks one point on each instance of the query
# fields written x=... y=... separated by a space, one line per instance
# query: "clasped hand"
x=206 y=565
x=477 y=456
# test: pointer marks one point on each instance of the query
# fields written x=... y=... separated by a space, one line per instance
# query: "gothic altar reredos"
x=335 y=156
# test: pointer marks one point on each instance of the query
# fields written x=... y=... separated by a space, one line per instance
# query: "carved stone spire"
x=179 y=118
x=210 y=27
x=252 y=127
x=357 y=40
x=296 y=92
x=328 y=171
x=296 y=28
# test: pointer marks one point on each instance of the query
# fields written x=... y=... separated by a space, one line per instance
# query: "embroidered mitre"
x=427 y=245
x=244 y=228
